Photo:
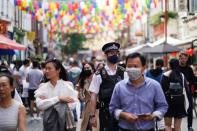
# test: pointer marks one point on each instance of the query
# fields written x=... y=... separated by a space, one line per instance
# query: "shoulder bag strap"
x=184 y=92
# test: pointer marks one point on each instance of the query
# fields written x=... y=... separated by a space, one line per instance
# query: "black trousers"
x=190 y=109
x=121 y=129
x=107 y=122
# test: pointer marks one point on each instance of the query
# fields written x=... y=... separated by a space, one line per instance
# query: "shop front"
x=189 y=36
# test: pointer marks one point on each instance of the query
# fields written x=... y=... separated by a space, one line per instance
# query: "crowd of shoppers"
x=112 y=96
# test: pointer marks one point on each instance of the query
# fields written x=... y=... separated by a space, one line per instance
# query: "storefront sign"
x=190 y=27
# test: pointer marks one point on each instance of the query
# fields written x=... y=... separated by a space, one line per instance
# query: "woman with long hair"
x=13 y=114
x=84 y=81
x=174 y=86
x=56 y=88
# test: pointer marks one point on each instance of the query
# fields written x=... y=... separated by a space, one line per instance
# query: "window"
x=192 y=5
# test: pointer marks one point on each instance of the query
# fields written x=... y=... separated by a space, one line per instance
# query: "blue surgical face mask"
x=113 y=59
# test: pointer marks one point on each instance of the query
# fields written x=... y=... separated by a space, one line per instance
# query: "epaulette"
x=121 y=68
x=98 y=72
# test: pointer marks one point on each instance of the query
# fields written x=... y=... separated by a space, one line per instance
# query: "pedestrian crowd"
x=112 y=96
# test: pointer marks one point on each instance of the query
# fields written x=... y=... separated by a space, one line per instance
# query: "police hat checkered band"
x=113 y=47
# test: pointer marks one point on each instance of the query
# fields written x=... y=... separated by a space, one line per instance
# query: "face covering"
x=113 y=59
x=87 y=72
x=134 y=73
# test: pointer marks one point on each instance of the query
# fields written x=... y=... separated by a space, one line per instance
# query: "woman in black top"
x=174 y=85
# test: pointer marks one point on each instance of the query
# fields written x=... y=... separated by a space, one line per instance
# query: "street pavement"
x=36 y=125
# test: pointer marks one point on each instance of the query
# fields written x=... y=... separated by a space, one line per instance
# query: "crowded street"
x=37 y=125
x=98 y=65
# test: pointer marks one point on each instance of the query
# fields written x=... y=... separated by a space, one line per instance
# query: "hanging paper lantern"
x=64 y=7
x=19 y=2
x=107 y=2
x=58 y=5
x=190 y=52
x=33 y=15
x=15 y=2
x=56 y=16
x=27 y=9
x=148 y=3
x=40 y=5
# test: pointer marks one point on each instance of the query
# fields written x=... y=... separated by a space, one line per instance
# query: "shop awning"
x=170 y=40
x=6 y=52
x=6 y=43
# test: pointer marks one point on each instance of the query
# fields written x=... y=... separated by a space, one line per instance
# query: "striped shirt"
x=9 y=117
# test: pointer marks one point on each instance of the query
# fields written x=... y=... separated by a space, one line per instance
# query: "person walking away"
x=137 y=101
x=156 y=74
x=34 y=77
x=13 y=115
x=73 y=72
x=174 y=86
x=54 y=91
x=102 y=85
x=73 y=75
x=23 y=70
x=189 y=75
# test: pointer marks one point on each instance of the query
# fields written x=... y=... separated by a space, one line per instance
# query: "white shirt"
x=23 y=72
x=62 y=88
x=17 y=97
x=97 y=80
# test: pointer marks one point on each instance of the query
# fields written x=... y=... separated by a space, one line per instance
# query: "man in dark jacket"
x=157 y=72
x=189 y=75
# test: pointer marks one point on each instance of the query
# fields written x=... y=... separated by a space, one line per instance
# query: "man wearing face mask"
x=137 y=101
x=102 y=85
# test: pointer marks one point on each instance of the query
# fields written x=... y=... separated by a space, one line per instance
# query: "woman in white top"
x=13 y=115
x=56 y=89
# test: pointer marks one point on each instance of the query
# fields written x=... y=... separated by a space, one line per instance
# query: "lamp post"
x=166 y=30
x=166 y=20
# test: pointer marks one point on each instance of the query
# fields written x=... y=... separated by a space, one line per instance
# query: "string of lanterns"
x=86 y=16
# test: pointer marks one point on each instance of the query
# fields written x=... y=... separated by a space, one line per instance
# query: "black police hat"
x=112 y=46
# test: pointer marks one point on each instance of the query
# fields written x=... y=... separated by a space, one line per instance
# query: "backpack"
x=175 y=88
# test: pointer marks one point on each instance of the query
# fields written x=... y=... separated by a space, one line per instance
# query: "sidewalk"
x=36 y=125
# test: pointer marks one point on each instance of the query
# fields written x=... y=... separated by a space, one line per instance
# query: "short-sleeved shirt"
x=34 y=76
x=23 y=72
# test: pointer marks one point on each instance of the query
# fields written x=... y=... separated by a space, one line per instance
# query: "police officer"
x=102 y=85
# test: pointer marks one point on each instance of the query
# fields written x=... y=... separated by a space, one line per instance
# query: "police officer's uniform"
x=103 y=83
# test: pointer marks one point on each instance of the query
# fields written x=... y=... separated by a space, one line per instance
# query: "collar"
x=107 y=67
x=58 y=82
x=129 y=83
